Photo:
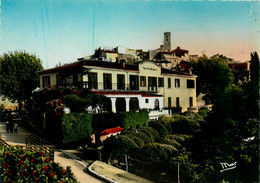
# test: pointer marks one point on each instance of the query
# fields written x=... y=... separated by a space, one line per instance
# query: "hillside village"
x=149 y=113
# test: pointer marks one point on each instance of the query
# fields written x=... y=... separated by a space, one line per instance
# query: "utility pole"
x=126 y=162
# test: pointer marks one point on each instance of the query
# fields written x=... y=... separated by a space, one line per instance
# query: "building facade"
x=152 y=86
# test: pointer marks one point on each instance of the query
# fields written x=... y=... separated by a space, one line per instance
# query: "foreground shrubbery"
x=18 y=165
x=76 y=126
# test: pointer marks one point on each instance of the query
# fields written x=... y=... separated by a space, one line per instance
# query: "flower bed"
x=18 y=165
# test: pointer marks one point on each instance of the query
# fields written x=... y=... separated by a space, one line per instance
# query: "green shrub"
x=76 y=103
x=146 y=138
x=148 y=135
x=139 y=142
x=117 y=146
x=76 y=126
x=154 y=133
x=183 y=125
x=159 y=127
x=190 y=172
x=157 y=151
x=166 y=122
x=170 y=141
x=140 y=136
x=125 y=120
x=18 y=165
x=174 y=140
x=192 y=115
x=203 y=111
x=135 y=119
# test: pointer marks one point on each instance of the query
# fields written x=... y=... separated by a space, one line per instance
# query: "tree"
x=229 y=134
x=19 y=76
x=76 y=103
x=116 y=147
x=254 y=67
x=213 y=77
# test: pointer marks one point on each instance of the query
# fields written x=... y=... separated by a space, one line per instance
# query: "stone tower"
x=167 y=41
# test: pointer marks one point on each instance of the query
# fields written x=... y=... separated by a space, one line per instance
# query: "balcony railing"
x=109 y=86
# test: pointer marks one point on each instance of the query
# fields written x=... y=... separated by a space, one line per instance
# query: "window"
x=107 y=80
x=169 y=102
x=161 y=82
x=142 y=81
x=59 y=80
x=46 y=81
x=146 y=101
x=92 y=80
x=177 y=101
x=152 y=83
x=190 y=83
x=169 y=83
x=177 y=83
x=191 y=101
x=120 y=81
x=156 y=104
x=134 y=82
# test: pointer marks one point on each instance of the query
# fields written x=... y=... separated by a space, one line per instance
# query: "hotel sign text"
x=149 y=68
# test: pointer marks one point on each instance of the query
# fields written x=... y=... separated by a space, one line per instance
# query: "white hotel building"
x=150 y=85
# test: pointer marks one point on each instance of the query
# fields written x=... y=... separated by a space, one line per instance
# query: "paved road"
x=76 y=167
x=59 y=157
x=13 y=138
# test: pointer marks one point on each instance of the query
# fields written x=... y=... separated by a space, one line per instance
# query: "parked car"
x=16 y=116
x=13 y=116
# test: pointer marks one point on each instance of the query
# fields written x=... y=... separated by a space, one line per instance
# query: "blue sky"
x=64 y=30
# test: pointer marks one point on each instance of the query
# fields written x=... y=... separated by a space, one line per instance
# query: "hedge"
x=117 y=146
x=155 y=134
x=159 y=127
x=139 y=142
x=125 y=120
x=76 y=103
x=157 y=151
x=76 y=126
x=135 y=119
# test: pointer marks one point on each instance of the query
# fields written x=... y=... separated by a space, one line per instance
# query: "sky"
x=60 y=31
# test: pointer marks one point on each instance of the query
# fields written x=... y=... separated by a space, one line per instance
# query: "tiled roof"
x=168 y=71
x=185 y=65
x=57 y=69
x=103 y=64
x=180 y=52
x=110 y=51
x=239 y=66
x=111 y=131
x=179 y=49
x=112 y=65
x=79 y=64
x=143 y=94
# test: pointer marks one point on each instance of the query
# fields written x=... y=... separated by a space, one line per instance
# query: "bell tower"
x=167 y=41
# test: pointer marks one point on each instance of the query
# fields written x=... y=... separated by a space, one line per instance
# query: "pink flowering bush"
x=55 y=105
x=18 y=165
